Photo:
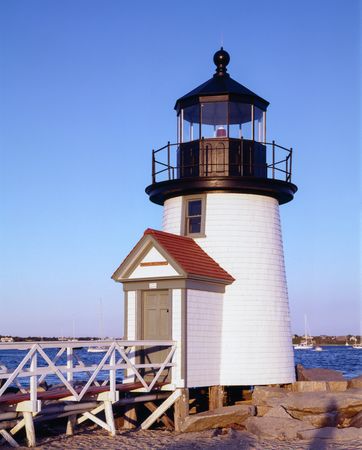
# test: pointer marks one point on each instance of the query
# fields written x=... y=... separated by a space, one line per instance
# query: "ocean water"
x=342 y=358
x=12 y=358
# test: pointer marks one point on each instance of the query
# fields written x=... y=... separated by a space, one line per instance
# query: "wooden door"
x=214 y=160
x=156 y=325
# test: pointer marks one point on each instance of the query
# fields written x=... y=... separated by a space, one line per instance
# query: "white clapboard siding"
x=243 y=234
x=131 y=316
x=131 y=331
x=172 y=216
x=177 y=337
x=204 y=338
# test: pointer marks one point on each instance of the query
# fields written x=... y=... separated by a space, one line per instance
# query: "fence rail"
x=167 y=165
x=66 y=359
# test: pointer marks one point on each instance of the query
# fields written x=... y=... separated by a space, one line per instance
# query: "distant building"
x=7 y=339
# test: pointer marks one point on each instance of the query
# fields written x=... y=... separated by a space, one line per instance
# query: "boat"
x=100 y=349
x=318 y=349
x=306 y=343
x=356 y=345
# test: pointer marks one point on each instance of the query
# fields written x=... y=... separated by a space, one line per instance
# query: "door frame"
x=140 y=320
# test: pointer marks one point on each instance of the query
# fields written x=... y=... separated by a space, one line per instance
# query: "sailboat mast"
x=101 y=322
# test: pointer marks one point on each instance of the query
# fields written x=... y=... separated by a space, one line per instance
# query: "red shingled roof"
x=189 y=255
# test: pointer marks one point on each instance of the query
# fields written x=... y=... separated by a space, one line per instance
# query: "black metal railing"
x=222 y=157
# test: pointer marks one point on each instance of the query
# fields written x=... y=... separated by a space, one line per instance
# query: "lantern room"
x=221 y=144
x=221 y=127
x=221 y=117
x=221 y=108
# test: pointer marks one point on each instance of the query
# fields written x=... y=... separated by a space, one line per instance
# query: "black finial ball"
x=221 y=60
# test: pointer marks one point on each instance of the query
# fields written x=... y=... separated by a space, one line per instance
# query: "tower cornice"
x=281 y=190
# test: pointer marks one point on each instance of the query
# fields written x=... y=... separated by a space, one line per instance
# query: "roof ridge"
x=205 y=264
x=154 y=231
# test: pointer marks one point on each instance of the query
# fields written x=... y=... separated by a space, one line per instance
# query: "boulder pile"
x=309 y=408
x=320 y=405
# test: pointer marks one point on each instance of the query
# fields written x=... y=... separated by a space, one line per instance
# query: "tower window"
x=194 y=216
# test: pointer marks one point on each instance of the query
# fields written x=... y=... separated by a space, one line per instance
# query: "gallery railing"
x=236 y=157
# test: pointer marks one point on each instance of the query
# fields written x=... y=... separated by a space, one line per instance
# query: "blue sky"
x=87 y=89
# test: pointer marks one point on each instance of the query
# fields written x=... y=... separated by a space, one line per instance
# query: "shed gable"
x=161 y=255
x=153 y=265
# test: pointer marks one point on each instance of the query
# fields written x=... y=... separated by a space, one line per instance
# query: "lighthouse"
x=213 y=279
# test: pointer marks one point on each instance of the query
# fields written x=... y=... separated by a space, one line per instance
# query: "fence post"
x=153 y=167
x=70 y=364
x=28 y=415
x=29 y=428
x=112 y=375
x=168 y=159
x=34 y=382
x=241 y=156
x=206 y=153
x=273 y=166
x=251 y=161
x=290 y=164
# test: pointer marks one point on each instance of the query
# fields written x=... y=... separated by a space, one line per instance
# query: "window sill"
x=196 y=235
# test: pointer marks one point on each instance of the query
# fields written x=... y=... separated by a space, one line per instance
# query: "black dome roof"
x=221 y=84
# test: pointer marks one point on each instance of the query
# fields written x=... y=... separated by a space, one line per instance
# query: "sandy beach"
x=158 y=439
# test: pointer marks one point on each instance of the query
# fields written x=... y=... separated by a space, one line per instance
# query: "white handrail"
x=118 y=355
x=75 y=344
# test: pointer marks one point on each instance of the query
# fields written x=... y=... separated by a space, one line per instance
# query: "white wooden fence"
x=77 y=378
x=116 y=357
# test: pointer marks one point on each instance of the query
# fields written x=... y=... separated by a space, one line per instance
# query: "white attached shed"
x=175 y=291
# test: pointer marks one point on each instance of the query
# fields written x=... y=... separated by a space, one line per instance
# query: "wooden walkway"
x=61 y=393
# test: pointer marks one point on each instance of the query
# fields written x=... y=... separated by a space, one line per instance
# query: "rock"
x=304 y=405
x=309 y=386
x=337 y=434
x=319 y=409
x=319 y=386
x=318 y=374
x=355 y=382
x=276 y=427
x=337 y=386
x=218 y=418
x=356 y=421
x=328 y=419
x=261 y=410
x=278 y=411
x=268 y=396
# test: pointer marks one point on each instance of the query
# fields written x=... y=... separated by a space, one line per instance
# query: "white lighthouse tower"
x=223 y=188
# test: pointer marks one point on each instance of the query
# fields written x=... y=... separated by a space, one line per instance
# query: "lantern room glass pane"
x=258 y=125
x=240 y=120
x=214 y=119
x=221 y=119
x=190 y=123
